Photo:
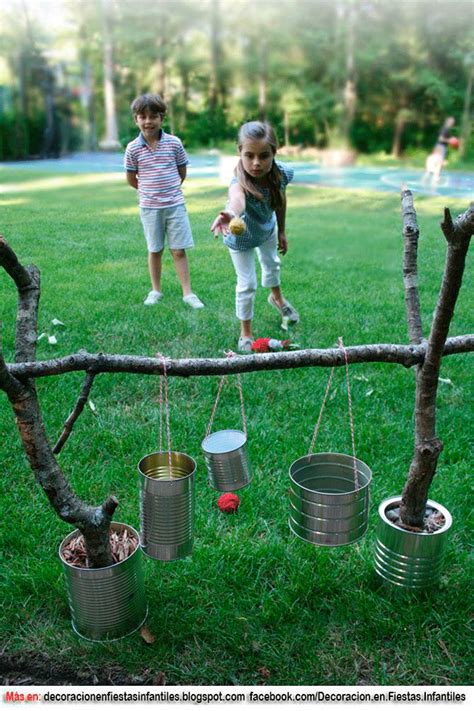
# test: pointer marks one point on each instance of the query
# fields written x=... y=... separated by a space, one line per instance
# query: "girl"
x=257 y=192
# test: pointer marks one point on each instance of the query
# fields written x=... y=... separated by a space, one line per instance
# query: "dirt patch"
x=39 y=670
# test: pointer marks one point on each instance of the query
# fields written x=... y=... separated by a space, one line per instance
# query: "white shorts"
x=170 y=222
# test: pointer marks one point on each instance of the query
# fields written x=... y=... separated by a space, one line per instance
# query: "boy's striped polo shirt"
x=159 y=182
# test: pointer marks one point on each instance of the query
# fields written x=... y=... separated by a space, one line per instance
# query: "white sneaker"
x=193 y=301
x=153 y=298
x=287 y=310
x=245 y=344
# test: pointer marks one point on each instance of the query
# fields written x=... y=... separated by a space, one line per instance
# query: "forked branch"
x=427 y=446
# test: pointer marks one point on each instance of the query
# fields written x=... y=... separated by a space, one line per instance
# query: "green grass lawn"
x=251 y=596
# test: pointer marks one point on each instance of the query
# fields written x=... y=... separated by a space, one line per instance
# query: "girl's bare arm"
x=235 y=206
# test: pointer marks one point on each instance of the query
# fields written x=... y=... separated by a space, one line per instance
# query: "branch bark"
x=69 y=424
x=27 y=281
x=187 y=367
x=410 y=273
x=427 y=446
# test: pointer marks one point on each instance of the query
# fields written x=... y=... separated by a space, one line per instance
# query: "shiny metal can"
x=227 y=460
x=410 y=559
x=167 y=505
x=326 y=507
x=106 y=603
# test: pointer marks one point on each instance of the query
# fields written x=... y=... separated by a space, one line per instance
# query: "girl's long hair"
x=256 y=131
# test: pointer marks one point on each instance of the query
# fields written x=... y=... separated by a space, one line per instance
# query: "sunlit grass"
x=251 y=596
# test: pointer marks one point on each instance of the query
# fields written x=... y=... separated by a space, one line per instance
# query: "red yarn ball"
x=228 y=503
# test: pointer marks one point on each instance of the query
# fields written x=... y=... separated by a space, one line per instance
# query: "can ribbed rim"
x=334 y=543
x=320 y=456
x=386 y=503
x=180 y=454
x=114 y=526
x=234 y=449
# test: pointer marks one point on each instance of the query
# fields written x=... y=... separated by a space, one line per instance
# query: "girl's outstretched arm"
x=235 y=207
x=281 y=219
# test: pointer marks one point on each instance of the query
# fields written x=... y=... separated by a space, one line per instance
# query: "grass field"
x=253 y=603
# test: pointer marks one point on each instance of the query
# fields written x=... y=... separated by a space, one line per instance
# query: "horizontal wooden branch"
x=185 y=367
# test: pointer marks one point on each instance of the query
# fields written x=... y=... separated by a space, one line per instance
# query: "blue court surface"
x=452 y=183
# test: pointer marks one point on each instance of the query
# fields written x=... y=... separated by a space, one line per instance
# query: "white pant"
x=244 y=265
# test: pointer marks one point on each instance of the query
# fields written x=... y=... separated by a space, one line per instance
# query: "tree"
x=110 y=140
x=466 y=122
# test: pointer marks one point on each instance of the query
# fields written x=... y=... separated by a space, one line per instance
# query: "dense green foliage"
x=380 y=76
x=251 y=596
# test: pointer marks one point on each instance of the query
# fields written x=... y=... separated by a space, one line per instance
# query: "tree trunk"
x=110 y=140
x=466 y=116
x=286 y=127
x=50 y=147
x=215 y=58
x=160 y=63
x=350 y=90
x=400 y=122
x=88 y=107
x=262 y=79
x=185 y=86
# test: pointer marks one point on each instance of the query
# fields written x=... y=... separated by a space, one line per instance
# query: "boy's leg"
x=154 y=268
x=182 y=269
x=152 y=221
x=180 y=238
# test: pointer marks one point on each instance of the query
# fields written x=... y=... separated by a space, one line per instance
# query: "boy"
x=156 y=166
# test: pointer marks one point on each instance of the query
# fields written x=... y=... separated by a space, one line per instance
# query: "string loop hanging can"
x=329 y=492
x=225 y=451
x=167 y=481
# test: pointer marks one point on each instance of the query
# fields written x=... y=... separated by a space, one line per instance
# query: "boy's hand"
x=221 y=223
x=282 y=243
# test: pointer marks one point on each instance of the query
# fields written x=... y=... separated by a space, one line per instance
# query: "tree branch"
x=427 y=446
x=81 y=401
x=186 y=367
x=410 y=272
x=27 y=281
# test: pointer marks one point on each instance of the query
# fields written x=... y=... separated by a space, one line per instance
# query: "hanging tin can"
x=225 y=451
x=167 y=504
x=327 y=506
x=227 y=460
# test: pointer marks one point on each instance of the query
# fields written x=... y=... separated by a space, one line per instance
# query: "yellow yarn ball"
x=237 y=226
